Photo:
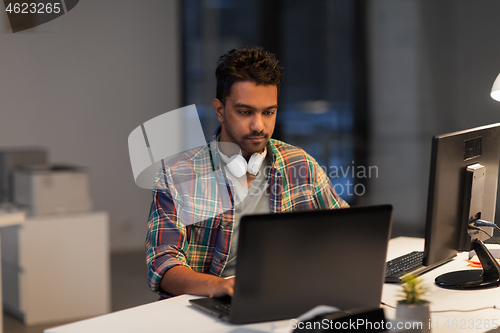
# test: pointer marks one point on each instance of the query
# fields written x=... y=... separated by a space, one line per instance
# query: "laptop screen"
x=291 y=262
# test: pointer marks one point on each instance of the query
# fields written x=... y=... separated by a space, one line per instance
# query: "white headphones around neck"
x=238 y=166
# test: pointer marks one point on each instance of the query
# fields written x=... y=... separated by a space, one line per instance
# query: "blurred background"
x=366 y=86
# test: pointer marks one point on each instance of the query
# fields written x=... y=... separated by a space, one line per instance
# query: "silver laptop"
x=291 y=262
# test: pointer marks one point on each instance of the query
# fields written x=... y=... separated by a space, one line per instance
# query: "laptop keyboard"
x=226 y=308
x=397 y=268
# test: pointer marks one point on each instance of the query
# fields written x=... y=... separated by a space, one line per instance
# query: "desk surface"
x=445 y=299
x=171 y=315
x=177 y=315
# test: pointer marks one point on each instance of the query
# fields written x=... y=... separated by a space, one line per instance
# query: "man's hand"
x=223 y=287
x=183 y=280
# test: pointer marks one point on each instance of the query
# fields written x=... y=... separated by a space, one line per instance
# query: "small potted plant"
x=413 y=307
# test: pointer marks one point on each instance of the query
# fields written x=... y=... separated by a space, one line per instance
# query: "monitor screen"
x=462 y=187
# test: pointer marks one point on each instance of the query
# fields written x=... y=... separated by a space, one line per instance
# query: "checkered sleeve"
x=166 y=244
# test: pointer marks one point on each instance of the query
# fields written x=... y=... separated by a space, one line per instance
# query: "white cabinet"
x=8 y=218
x=56 y=268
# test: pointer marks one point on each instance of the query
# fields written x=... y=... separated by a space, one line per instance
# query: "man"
x=200 y=196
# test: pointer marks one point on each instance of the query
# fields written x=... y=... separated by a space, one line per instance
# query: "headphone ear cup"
x=237 y=165
x=255 y=163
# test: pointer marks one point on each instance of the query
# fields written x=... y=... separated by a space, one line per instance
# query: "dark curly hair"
x=246 y=64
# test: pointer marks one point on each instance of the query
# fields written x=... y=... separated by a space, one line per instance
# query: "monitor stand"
x=488 y=277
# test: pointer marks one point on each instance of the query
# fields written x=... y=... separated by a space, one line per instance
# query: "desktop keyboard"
x=397 y=268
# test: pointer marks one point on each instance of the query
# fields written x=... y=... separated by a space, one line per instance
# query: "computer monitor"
x=462 y=188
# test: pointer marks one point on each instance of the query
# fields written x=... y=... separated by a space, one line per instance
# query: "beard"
x=246 y=144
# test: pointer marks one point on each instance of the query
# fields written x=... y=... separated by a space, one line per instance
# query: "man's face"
x=249 y=116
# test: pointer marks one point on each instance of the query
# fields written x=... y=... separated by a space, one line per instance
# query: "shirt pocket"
x=203 y=205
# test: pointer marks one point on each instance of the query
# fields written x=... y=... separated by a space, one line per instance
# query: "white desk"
x=444 y=299
x=176 y=315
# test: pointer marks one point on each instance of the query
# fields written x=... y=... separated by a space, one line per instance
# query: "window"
x=320 y=43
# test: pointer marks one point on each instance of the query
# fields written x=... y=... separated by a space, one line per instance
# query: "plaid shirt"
x=192 y=214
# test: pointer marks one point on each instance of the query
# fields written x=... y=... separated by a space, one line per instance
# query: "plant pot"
x=414 y=313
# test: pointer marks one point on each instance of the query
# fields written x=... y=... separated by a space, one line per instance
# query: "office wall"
x=394 y=105
x=80 y=84
x=432 y=65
